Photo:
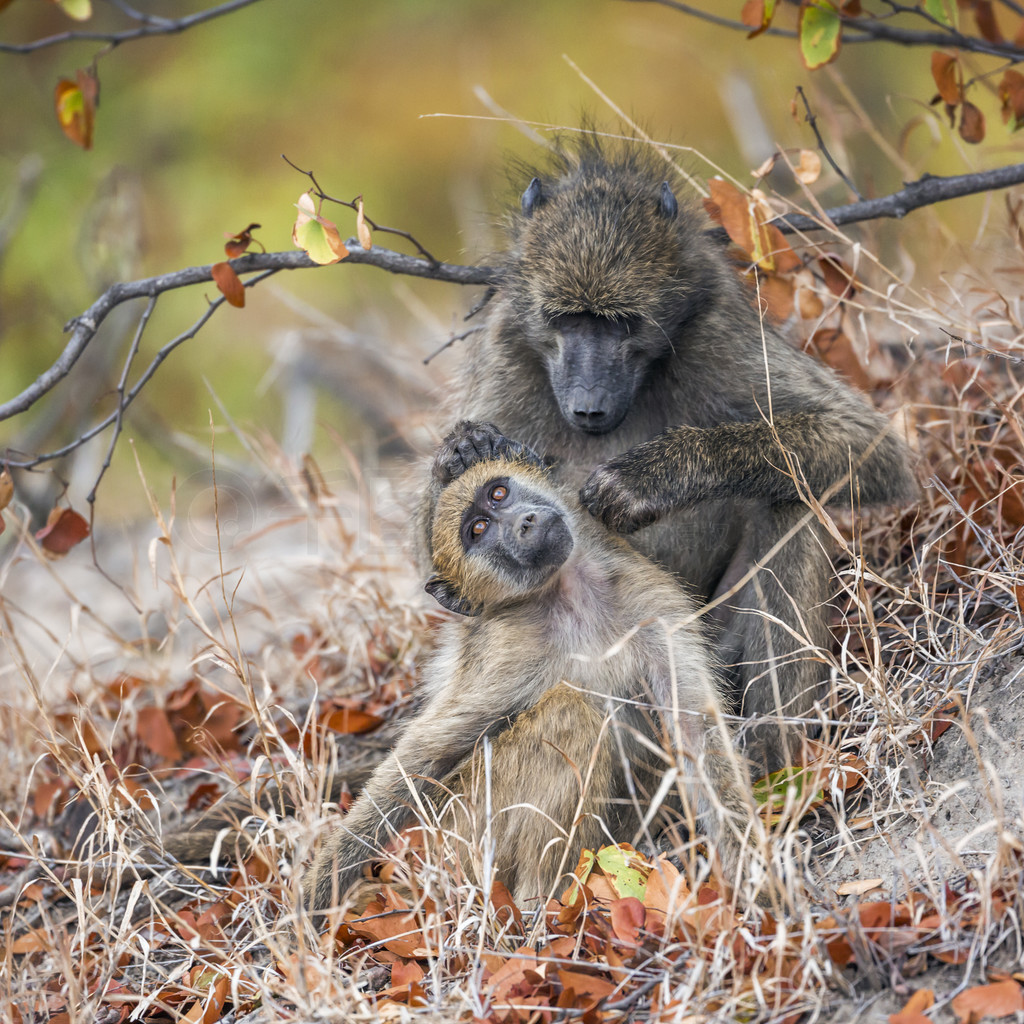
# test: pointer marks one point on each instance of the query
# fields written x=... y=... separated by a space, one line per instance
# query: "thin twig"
x=812 y=123
x=451 y=341
x=354 y=205
x=149 y=26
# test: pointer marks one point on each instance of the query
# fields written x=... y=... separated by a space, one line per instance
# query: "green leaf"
x=319 y=237
x=937 y=9
x=80 y=10
x=820 y=32
x=619 y=865
x=773 y=789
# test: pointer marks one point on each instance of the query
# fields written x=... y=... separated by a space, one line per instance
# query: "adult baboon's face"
x=594 y=370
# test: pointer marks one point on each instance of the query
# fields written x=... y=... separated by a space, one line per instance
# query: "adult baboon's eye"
x=479 y=527
x=499 y=492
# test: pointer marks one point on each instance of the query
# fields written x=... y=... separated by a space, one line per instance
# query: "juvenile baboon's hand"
x=620 y=496
x=472 y=442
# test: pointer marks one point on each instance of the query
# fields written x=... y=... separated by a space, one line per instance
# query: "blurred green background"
x=188 y=146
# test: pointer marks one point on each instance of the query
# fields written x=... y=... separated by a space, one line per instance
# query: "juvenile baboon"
x=563 y=662
x=622 y=346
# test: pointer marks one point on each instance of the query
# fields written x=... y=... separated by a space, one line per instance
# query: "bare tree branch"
x=84 y=326
x=923 y=192
x=149 y=25
x=867 y=29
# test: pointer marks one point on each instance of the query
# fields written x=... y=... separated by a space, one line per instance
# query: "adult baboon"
x=564 y=663
x=622 y=346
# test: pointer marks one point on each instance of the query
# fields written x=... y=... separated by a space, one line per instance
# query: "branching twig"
x=868 y=30
x=149 y=25
x=354 y=205
x=84 y=326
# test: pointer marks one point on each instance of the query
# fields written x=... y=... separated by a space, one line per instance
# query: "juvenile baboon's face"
x=497 y=538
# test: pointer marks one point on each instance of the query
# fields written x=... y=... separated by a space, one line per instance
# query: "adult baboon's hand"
x=471 y=442
x=619 y=493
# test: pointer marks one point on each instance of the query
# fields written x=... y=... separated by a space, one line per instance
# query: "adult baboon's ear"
x=442 y=591
x=532 y=197
x=669 y=206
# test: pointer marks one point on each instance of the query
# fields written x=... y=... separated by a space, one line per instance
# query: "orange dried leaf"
x=155 y=732
x=913 y=1012
x=362 y=228
x=63 y=530
x=228 y=283
x=1011 y=97
x=946 y=72
x=757 y=15
x=838 y=276
x=406 y=972
x=75 y=103
x=835 y=349
x=730 y=206
x=972 y=123
x=628 y=919
x=238 y=244
x=1002 y=999
x=348 y=720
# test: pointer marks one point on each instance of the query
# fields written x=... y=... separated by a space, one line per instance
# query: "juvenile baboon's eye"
x=479 y=527
x=499 y=492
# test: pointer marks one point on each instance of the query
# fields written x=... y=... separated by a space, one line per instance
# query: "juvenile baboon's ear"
x=669 y=206
x=532 y=197
x=445 y=594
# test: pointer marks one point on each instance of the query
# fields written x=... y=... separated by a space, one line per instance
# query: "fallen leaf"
x=857 y=888
x=63 y=530
x=228 y=283
x=913 y=1011
x=625 y=869
x=628 y=918
x=1003 y=999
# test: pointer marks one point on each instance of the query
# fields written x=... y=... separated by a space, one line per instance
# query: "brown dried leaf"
x=6 y=488
x=1011 y=97
x=985 y=18
x=808 y=170
x=766 y=168
x=228 y=283
x=835 y=349
x=858 y=888
x=972 y=123
x=1002 y=999
x=628 y=918
x=730 y=210
x=362 y=228
x=946 y=72
x=63 y=530
x=237 y=245
x=838 y=276
x=348 y=720
x=155 y=732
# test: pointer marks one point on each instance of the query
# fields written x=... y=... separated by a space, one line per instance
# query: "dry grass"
x=214 y=658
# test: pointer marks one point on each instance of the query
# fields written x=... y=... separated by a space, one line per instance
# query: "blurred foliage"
x=191 y=128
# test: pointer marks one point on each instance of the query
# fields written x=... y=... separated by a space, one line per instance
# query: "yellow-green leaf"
x=821 y=31
x=938 y=10
x=80 y=10
x=771 y=791
x=624 y=869
x=318 y=236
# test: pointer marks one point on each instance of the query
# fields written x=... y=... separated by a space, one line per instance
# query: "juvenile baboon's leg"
x=771 y=630
x=538 y=767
